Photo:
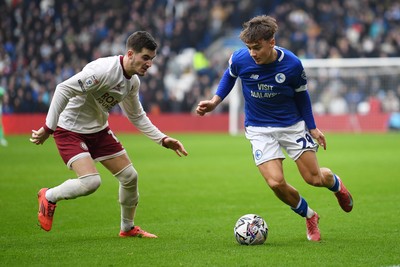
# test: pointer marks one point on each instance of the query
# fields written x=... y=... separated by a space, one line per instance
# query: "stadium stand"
x=45 y=41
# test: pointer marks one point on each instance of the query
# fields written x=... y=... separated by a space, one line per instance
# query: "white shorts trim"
x=87 y=154
x=269 y=143
x=76 y=157
x=110 y=156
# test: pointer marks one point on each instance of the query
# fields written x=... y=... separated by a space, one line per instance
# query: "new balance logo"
x=254 y=76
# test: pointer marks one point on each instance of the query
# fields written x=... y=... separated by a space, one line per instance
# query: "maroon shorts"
x=101 y=145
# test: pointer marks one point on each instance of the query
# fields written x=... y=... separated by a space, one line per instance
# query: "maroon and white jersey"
x=82 y=103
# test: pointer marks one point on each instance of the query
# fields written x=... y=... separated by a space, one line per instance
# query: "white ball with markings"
x=251 y=229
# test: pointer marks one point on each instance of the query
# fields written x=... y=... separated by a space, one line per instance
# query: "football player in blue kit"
x=278 y=116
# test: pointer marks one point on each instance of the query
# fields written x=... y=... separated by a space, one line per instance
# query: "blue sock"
x=302 y=207
x=335 y=186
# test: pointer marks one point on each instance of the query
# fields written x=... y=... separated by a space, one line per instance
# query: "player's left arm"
x=303 y=103
x=137 y=116
x=174 y=144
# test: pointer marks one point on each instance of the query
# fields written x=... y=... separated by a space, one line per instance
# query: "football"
x=251 y=229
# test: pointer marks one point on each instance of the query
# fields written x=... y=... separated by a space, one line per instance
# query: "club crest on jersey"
x=258 y=154
x=84 y=146
x=280 y=78
x=117 y=87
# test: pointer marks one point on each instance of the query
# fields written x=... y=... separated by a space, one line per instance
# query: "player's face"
x=139 y=62
x=262 y=51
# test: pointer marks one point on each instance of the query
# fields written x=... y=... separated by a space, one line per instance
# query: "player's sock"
x=302 y=209
x=336 y=184
x=128 y=196
x=127 y=212
x=126 y=224
x=73 y=188
x=128 y=202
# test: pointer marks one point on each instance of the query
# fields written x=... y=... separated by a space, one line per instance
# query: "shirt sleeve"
x=227 y=81
x=304 y=105
x=303 y=101
x=225 y=85
x=79 y=84
x=62 y=94
x=134 y=111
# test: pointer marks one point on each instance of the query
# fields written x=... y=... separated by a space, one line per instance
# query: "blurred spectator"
x=43 y=42
x=375 y=105
x=337 y=105
x=390 y=102
x=354 y=97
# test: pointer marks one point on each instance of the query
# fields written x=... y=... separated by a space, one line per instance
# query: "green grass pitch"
x=192 y=204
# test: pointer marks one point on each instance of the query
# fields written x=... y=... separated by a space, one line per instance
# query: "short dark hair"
x=139 y=40
x=258 y=28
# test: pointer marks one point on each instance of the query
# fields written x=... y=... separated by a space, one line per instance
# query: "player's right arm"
x=57 y=105
x=224 y=88
x=208 y=105
x=62 y=95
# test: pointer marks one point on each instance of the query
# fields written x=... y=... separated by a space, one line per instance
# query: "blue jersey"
x=270 y=90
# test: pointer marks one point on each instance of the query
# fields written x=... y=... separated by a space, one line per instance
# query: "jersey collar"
x=121 y=60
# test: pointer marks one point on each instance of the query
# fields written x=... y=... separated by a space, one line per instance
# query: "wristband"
x=47 y=129
x=162 y=142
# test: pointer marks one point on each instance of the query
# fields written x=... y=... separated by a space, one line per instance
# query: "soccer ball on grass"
x=251 y=229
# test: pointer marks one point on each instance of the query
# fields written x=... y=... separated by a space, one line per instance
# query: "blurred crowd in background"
x=44 y=42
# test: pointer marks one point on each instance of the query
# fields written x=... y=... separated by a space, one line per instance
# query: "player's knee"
x=90 y=183
x=128 y=193
x=315 y=179
x=321 y=178
x=127 y=177
x=326 y=173
x=276 y=184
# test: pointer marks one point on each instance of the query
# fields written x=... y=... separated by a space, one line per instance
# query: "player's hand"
x=39 y=136
x=175 y=145
x=319 y=136
x=208 y=105
x=203 y=107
